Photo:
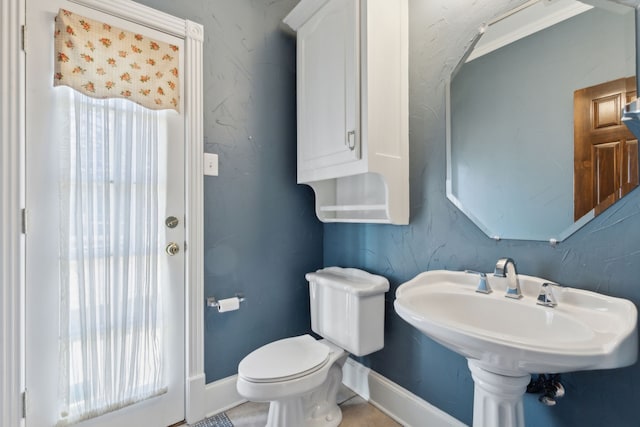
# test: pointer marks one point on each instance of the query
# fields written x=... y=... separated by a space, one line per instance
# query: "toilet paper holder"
x=213 y=302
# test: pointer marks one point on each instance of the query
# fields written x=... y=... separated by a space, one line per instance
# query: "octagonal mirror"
x=537 y=144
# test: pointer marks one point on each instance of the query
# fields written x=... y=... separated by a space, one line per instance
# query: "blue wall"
x=261 y=235
x=603 y=256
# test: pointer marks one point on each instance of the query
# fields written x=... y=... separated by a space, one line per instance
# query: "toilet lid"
x=284 y=359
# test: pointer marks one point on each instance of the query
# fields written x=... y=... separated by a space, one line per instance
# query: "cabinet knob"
x=351 y=140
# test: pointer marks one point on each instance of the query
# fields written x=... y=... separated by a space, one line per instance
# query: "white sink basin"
x=586 y=330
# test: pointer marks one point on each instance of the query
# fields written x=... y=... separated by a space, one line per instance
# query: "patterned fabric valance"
x=102 y=61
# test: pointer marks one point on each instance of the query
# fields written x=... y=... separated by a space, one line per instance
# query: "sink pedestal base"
x=497 y=399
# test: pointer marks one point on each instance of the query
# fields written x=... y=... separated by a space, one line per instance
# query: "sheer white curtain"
x=110 y=320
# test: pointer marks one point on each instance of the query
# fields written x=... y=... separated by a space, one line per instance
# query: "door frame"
x=12 y=248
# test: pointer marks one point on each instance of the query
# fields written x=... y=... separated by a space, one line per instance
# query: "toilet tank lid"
x=352 y=280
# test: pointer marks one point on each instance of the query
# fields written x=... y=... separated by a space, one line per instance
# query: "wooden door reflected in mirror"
x=605 y=151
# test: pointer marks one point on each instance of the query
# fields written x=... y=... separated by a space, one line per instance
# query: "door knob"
x=173 y=248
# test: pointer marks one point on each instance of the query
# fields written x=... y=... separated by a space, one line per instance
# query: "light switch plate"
x=210 y=164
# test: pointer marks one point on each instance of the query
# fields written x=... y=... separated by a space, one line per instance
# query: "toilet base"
x=286 y=412
x=319 y=408
x=322 y=408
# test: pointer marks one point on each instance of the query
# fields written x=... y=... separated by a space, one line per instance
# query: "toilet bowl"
x=300 y=376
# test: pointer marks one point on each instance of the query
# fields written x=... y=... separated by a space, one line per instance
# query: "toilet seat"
x=284 y=360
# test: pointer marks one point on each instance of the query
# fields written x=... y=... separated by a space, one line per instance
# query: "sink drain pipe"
x=548 y=386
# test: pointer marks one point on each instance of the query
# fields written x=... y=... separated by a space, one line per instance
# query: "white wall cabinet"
x=352 y=70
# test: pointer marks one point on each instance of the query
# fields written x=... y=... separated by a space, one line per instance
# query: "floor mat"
x=218 y=420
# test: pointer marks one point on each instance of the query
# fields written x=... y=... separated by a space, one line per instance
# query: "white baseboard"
x=221 y=395
x=397 y=402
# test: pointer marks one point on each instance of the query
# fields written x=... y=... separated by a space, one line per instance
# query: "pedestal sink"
x=506 y=340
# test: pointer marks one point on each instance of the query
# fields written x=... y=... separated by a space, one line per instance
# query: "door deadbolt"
x=173 y=248
x=171 y=222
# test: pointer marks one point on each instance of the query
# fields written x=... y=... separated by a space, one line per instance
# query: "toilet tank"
x=347 y=308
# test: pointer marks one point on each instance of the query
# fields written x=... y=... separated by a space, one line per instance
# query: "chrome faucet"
x=503 y=270
x=546 y=297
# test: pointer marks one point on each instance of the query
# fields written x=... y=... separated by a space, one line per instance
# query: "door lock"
x=171 y=222
x=173 y=248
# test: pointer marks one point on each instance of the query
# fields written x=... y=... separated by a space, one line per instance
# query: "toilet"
x=300 y=375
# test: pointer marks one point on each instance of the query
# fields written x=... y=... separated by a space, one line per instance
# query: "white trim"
x=221 y=395
x=195 y=399
x=194 y=222
x=397 y=402
x=11 y=196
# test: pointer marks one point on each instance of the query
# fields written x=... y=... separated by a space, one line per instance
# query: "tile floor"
x=356 y=412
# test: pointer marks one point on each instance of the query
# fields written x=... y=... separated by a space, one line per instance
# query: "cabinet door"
x=328 y=89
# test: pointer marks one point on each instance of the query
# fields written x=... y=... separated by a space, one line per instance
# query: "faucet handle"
x=483 y=285
x=546 y=297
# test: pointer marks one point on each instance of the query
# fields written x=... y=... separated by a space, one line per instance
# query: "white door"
x=48 y=121
x=328 y=91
